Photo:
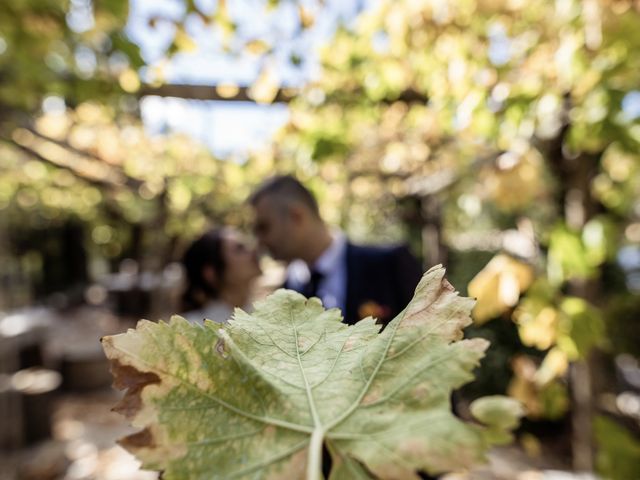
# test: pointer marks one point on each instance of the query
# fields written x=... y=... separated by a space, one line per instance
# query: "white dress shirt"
x=332 y=264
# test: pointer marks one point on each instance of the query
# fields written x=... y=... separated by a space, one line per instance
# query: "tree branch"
x=32 y=153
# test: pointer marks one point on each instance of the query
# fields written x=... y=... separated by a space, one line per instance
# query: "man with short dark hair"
x=360 y=280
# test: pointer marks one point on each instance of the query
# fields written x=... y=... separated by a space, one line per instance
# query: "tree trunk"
x=575 y=173
x=579 y=208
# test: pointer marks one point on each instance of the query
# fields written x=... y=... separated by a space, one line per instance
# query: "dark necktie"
x=311 y=288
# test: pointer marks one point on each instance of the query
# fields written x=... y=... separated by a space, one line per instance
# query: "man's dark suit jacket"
x=380 y=281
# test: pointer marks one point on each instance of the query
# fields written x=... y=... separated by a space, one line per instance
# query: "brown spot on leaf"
x=126 y=376
x=371 y=397
x=349 y=344
x=421 y=391
x=220 y=348
x=138 y=440
x=291 y=468
x=412 y=448
x=420 y=311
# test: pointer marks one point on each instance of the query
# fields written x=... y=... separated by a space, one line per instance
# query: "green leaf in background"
x=581 y=327
x=619 y=451
x=500 y=414
x=260 y=396
x=600 y=238
x=568 y=256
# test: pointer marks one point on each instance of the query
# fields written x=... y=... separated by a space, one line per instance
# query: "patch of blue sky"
x=499 y=45
x=631 y=105
x=380 y=42
x=153 y=40
x=231 y=128
x=80 y=15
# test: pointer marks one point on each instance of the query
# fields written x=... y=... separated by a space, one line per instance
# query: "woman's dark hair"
x=205 y=251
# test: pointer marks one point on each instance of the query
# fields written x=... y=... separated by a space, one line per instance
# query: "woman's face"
x=241 y=260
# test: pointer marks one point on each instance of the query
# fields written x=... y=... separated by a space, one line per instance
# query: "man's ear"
x=210 y=275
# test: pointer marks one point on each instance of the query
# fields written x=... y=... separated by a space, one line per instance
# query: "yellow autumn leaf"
x=537 y=329
x=265 y=88
x=306 y=17
x=257 y=47
x=82 y=137
x=184 y=42
x=54 y=125
x=93 y=113
x=522 y=386
x=129 y=80
x=497 y=287
x=227 y=90
x=553 y=366
x=548 y=401
x=516 y=180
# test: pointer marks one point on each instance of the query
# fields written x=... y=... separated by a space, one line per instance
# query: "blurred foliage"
x=506 y=127
x=277 y=45
x=492 y=87
x=74 y=50
x=496 y=108
x=623 y=326
x=514 y=118
x=227 y=20
x=548 y=401
x=134 y=195
x=619 y=451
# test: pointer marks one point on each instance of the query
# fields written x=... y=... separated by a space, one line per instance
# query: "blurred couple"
x=362 y=281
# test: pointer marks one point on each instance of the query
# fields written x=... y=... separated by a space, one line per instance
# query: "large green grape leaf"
x=259 y=397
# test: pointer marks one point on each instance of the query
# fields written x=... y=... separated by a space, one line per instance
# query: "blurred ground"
x=83 y=444
x=82 y=441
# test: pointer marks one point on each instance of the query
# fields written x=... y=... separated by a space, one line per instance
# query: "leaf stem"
x=314 y=462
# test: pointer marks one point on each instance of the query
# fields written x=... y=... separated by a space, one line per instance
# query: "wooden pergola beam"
x=212 y=92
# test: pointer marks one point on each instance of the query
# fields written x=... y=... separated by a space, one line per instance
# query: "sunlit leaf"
x=568 y=257
x=538 y=327
x=581 y=328
x=265 y=88
x=554 y=365
x=129 y=81
x=498 y=286
x=257 y=47
x=306 y=17
x=227 y=90
x=262 y=394
x=516 y=181
x=184 y=42
x=549 y=400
